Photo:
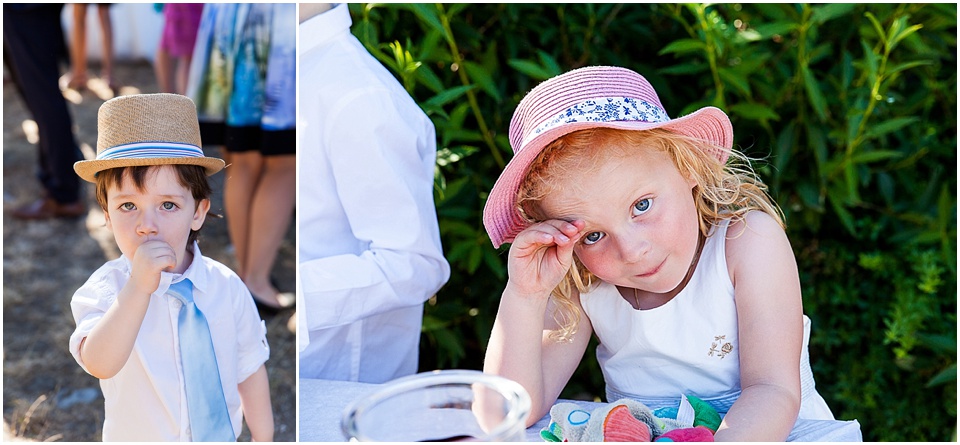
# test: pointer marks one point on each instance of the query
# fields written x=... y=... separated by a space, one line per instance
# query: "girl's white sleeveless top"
x=687 y=346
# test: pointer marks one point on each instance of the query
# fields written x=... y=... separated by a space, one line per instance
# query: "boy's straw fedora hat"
x=589 y=97
x=147 y=129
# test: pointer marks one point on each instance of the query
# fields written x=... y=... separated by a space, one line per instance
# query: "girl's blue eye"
x=593 y=237
x=127 y=206
x=168 y=205
x=642 y=206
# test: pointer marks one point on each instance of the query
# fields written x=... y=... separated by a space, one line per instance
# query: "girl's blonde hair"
x=721 y=191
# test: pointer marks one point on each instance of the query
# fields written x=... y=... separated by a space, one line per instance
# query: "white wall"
x=136 y=30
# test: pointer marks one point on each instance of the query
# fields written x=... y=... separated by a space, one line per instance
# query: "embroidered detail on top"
x=606 y=109
x=725 y=347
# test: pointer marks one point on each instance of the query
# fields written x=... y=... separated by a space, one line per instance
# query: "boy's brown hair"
x=192 y=177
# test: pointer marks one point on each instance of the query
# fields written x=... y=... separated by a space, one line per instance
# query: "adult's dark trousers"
x=33 y=46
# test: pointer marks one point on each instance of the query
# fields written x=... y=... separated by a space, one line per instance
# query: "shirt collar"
x=321 y=29
x=194 y=271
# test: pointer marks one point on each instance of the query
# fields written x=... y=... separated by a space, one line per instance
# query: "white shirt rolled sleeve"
x=369 y=237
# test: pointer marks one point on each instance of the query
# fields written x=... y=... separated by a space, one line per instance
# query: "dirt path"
x=46 y=395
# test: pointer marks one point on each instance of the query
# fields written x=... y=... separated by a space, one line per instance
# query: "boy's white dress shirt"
x=145 y=401
x=370 y=250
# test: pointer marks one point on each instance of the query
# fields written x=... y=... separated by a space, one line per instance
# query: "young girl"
x=636 y=227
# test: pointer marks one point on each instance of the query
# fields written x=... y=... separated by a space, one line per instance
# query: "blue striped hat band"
x=150 y=150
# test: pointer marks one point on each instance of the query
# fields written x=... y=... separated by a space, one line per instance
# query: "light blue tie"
x=209 y=416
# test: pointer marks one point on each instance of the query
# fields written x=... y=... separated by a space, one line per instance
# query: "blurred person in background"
x=180 y=23
x=77 y=77
x=243 y=80
x=33 y=47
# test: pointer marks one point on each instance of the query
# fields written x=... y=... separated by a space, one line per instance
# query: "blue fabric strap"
x=207 y=408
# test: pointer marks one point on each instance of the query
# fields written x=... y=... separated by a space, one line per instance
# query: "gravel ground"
x=46 y=395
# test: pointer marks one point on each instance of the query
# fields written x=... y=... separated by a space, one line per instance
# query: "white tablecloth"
x=322 y=403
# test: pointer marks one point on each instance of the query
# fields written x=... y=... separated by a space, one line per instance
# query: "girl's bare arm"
x=519 y=347
x=770 y=317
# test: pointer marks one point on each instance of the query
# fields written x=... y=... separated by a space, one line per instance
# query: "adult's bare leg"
x=270 y=216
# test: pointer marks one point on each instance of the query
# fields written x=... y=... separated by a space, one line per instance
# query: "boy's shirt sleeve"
x=252 y=347
x=383 y=166
x=88 y=305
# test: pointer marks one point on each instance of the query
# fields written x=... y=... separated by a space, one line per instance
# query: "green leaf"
x=549 y=64
x=451 y=155
x=852 y=181
x=479 y=75
x=463 y=135
x=873 y=156
x=455 y=212
x=452 y=227
x=749 y=64
x=810 y=195
x=458 y=251
x=452 y=188
x=896 y=38
x=503 y=143
x=493 y=262
x=366 y=33
x=846 y=71
x=814 y=95
x=686 y=68
x=456 y=8
x=822 y=14
x=429 y=15
x=448 y=96
x=754 y=111
x=748 y=35
x=431 y=323
x=943 y=343
x=683 y=46
x=473 y=260
x=384 y=53
x=431 y=47
x=907 y=65
x=429 y=79
x=887 y=188
x=817 y=141
x=734 y=79
x=531 y=69
x=838 y=207
x=451 y=344
x=769 y=30
x=872 y=64
x=946 y=376
x=783 y=150
x=877 y=27
x=890 y=126
x=946 y=215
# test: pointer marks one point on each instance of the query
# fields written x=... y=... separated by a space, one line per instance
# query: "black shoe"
x=287 y=301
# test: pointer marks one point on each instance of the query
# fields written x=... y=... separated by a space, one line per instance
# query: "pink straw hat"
x=589 y=97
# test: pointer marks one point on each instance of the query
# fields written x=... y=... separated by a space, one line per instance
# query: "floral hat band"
x=604 y=109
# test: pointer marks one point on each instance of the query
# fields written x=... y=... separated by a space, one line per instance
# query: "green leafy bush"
x=849 y=109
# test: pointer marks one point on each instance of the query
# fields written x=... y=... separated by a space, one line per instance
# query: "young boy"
x=174 y=337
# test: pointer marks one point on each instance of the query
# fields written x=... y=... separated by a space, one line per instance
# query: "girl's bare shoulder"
x=754 y=239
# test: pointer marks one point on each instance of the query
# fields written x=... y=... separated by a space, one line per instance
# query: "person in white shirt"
x=167 y=374
x=369 y=242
